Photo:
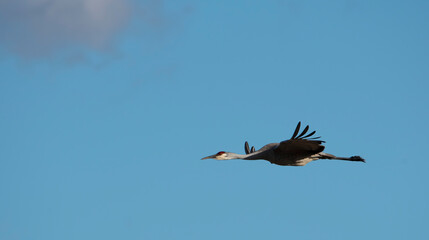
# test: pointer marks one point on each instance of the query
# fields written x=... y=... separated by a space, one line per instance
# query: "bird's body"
x=297 y=151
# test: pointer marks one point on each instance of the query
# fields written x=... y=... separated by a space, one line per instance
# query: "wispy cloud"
x=38 y=28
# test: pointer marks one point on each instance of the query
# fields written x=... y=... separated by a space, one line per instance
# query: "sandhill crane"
x=297 y=151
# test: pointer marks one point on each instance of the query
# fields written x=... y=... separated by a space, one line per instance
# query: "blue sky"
x=106 y=108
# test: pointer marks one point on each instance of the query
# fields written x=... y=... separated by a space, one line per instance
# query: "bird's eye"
x=220 y=153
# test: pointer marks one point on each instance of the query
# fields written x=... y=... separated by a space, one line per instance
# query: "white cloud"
x=34 y=28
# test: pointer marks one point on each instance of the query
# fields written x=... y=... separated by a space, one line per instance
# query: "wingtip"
x=296 y=130
x=246 y=148
x=303 y=132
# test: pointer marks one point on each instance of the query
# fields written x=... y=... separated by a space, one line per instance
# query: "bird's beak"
x=208 y=157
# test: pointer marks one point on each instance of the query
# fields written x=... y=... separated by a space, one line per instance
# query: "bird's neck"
x=250 y=156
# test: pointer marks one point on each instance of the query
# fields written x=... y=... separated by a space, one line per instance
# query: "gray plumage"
x=297 y=151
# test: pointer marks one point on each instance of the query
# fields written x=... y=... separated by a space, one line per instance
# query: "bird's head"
x=218 y=156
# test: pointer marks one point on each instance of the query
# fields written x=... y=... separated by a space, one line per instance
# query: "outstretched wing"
x=301 y=136
x=300 y=146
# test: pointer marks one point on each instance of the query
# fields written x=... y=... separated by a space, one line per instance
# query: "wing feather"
x=296 y=130
x=303 y=132
x=246 y=148
x=299 y=148
x=310 y=134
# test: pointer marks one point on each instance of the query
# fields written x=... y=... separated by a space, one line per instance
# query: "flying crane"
x=297 y=151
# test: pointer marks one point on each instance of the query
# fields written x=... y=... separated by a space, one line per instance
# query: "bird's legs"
x=332 y=157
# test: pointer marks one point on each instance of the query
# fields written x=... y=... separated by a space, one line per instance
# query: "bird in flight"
x=297 y=151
